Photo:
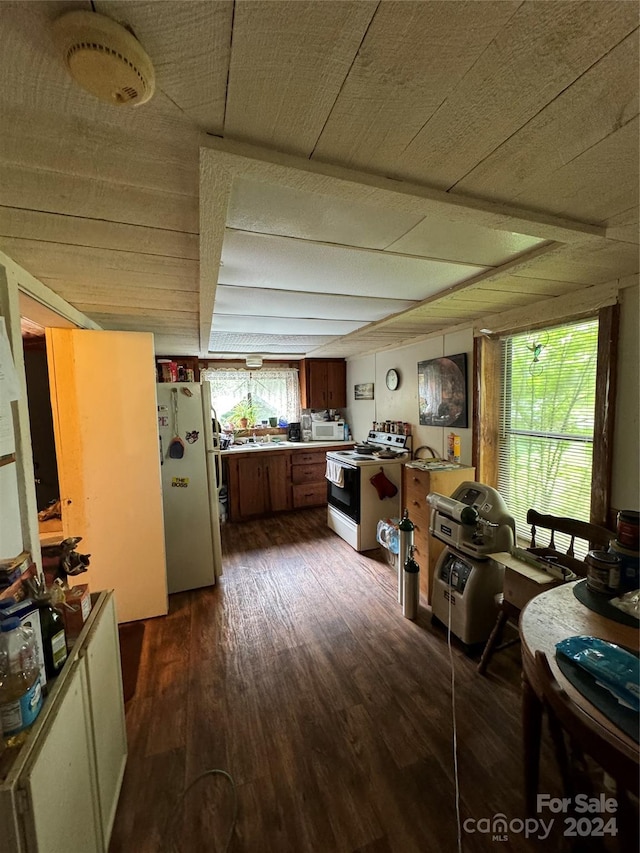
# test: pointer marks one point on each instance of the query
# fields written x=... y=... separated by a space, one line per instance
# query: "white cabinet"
x=61 y=791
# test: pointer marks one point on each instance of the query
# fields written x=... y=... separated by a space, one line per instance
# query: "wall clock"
x=392 y=379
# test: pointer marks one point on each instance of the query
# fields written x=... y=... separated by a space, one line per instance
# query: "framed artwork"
x=364 y=391
x=442 y=391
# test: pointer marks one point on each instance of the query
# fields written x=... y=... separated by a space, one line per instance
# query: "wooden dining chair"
x=593 y=536
x=586 y=737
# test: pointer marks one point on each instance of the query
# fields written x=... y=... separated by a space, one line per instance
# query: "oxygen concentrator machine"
x=474 y=523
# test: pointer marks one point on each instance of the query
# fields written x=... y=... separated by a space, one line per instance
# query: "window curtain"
x=279 y=388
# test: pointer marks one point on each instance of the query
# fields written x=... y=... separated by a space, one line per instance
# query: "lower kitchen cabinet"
x=59 y=791
x=307 y=476
x=248 y=488
x=416 y=485
x=278 y=482
x=262 y=482
x=259 y=484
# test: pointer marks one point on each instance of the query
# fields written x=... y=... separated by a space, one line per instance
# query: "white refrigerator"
x=191 y=479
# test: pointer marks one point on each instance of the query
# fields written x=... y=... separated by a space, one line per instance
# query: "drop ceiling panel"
x=273 y=209
x=286 y=303
x=463 y=241
x=292 y=345
x=282 y=325
x=285 y=264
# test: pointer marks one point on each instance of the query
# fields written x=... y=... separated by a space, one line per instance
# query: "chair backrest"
x=592 y=738
x=593 y=534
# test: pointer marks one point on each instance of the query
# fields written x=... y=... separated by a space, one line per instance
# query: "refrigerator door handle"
x=215 y=471
x=216 y=450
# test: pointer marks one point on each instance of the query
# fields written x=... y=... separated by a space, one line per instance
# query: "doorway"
x=34 y=318
x=41 y=422
x=43 y=446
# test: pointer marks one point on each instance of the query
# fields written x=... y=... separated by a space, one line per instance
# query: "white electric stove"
x=363 y=486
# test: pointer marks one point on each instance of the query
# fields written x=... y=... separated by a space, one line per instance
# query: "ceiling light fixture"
x=254 y=362
x=104 y=58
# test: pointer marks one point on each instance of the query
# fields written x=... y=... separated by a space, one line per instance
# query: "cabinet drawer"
x=415 y=500
x=310 y=457
x=419 y=509
x=420 y=524
x=309 y=473
x=311 y=494
x=417 y=491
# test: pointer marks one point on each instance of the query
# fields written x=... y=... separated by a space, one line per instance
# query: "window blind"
x=547 y=411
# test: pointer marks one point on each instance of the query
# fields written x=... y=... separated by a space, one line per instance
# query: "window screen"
x=546 y=423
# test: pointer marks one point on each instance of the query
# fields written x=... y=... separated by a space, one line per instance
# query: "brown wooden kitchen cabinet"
x=278 y=484
x=262 y=482
x=309 y=485
x=323 y=383
x=259 y=483
x=416 y=485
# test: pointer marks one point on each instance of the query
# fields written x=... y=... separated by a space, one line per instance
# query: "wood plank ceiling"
x=325 y=178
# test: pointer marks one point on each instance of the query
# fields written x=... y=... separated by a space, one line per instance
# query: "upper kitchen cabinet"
x=323 y=383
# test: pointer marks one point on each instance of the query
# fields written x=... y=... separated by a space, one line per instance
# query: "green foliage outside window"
x=547 y=421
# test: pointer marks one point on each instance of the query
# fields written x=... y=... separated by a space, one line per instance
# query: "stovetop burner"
x=392 y=446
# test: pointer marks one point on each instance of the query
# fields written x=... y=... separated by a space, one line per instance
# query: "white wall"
x=402 y=404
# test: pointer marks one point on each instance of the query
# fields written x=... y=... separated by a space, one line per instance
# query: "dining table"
x=545 y=620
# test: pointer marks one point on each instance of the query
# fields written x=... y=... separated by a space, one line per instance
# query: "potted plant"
x=244 y=413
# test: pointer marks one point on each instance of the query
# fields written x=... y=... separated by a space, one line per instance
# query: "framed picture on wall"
x=442 y=391
x=364 y=391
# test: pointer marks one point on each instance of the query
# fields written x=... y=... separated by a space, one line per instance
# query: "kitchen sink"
x=267 y=445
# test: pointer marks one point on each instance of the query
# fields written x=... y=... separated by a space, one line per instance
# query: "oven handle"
x=342 y=463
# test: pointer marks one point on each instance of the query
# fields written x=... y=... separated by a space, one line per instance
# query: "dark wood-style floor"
x=299 y=676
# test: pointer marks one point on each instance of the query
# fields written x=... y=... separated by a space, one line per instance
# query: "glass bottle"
x=54 y=639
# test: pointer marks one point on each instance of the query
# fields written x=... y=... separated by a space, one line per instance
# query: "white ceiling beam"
x=324 y=179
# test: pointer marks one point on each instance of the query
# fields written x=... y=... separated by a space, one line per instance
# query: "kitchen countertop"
x=268 y=446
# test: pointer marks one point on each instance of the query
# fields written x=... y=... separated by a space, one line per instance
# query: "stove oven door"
x=346 y=498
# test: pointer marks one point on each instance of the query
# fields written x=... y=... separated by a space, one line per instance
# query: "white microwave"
x=327 y=430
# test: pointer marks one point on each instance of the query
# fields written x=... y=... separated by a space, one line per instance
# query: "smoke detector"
x=254 y=362
x=104 y=58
